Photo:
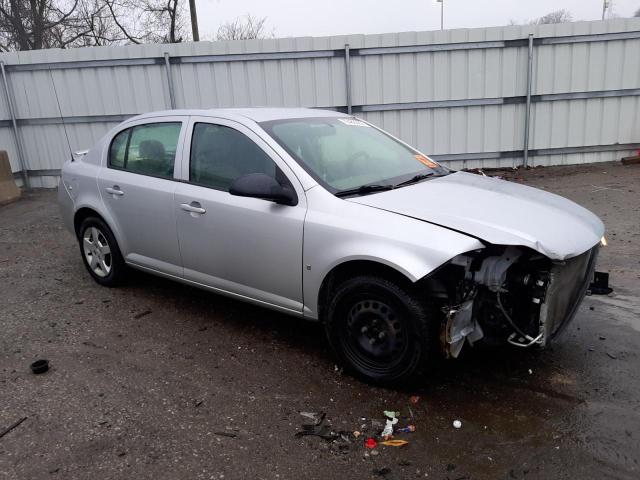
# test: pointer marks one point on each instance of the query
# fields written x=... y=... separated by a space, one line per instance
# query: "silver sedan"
x=324 y=216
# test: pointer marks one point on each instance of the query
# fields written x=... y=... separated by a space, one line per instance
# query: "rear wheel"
x=100 y=252
x=380 y=330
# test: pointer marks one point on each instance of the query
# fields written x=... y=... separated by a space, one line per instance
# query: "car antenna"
x=64 y=125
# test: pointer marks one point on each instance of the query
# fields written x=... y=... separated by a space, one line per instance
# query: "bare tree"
x=558 y=16
x=35 y=24
x=149 y=21
x=244 y=28
x=164 y=20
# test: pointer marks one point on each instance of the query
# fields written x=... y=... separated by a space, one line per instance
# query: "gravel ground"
x=145 y=378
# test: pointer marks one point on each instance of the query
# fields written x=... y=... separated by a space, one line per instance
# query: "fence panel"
x=458 y=95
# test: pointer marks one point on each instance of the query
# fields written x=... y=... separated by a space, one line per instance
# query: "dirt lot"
x=143 y=376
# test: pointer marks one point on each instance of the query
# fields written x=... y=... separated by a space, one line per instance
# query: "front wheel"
x=380 y=330
x=100 y=252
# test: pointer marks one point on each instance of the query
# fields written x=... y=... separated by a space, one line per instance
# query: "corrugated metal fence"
x=460 y=95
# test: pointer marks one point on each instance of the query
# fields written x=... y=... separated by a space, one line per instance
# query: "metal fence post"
x=167 y=67
x=527 y=118
x=347 y=64
x=21 y=157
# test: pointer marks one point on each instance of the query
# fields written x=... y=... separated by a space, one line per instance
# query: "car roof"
x=257 y=114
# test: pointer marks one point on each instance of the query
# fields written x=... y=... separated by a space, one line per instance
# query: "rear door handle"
x=115 y=190
x=193 y=207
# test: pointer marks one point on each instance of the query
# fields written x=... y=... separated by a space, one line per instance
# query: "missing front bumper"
x=517 y=297
x=568 y=283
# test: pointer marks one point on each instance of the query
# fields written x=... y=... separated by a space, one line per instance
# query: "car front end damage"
x=508 y=295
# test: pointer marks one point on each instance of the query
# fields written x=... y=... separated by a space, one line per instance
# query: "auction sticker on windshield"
x=353 y=122
x=427 y=161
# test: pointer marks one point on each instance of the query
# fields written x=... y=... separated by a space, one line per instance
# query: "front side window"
x=344 y=153
x=146 y=149
x=220 y=155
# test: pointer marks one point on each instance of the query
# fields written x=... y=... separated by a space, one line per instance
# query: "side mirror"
x=259 y=185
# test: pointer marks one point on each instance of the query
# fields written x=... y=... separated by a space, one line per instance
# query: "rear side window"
x=146 y=149
x=118 y=149
x=220 y=154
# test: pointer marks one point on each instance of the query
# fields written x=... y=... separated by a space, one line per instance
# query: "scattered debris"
x=392 y=419
x=40 y=366
x=198 y=403
x=226 y=434
x=11 y=427
x=344 y=441
x=142 y=314
x=394 y=443
x=602 y=337
x=316 y=418
x=530 y=372
x=612 y=356
x=407 y=429
x=457 y=424
x=411 y=414
x=370 y=443
x=600 y=284
x=340 y=441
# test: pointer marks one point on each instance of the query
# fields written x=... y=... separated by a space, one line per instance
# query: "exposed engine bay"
x=508 y=294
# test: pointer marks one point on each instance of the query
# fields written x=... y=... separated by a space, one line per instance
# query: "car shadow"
x=486 y=364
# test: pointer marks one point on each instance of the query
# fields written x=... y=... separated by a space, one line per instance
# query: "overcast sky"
x=331 y=17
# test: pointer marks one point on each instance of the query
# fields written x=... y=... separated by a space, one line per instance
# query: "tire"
x=102 y=258
x=380 y=331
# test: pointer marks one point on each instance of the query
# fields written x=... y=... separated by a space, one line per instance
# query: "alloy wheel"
x=97 y=251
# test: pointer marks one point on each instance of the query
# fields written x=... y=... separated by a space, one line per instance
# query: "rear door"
x=137 y=184
x=249 y=247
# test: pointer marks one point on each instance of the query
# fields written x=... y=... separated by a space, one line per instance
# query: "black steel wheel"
x=379 y=330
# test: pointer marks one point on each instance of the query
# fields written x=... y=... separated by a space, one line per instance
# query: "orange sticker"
x=427 y=161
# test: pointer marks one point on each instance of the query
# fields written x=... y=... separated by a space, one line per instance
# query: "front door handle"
x=193 y=207
x=115 y=190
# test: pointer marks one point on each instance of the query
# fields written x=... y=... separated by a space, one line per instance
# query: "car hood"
x=497 y=211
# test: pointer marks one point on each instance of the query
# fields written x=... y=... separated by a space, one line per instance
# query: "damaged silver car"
x=324 y=216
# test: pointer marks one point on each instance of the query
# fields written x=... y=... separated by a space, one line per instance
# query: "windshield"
x=344 y=153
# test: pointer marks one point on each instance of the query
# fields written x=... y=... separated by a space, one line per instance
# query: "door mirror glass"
x=260 y=185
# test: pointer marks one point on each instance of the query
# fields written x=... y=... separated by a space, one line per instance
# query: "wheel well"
x=82 y=214
x=352 y=268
